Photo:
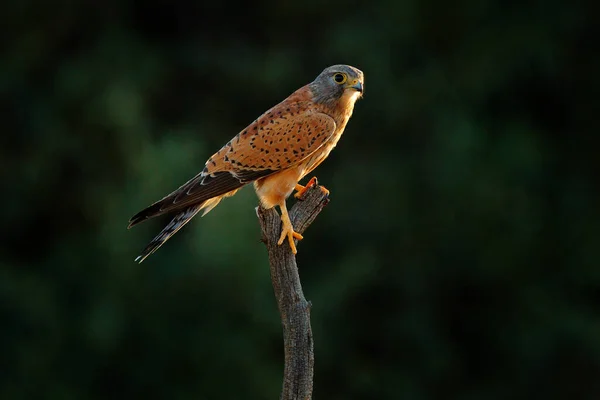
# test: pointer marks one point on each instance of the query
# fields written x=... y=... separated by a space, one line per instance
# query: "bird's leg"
x=302 y=189
x=287 y=229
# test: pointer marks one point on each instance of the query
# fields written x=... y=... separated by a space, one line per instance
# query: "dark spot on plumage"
x=266 y=151
x=254 y=127
x=225 y=158
x=277 y=150
x=302 y=149
x=285 y=150
x=295 y=151
x=214 y=163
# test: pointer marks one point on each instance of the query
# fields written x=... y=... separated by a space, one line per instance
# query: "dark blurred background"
x=458 y=258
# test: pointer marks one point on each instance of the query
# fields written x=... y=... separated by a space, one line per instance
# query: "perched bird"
x=275 y=152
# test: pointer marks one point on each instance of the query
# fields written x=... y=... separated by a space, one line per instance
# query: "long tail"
x=176 y=224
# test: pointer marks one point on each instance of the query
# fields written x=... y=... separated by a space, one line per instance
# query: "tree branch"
x=293 y=307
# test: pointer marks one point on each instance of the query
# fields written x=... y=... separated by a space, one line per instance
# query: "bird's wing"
x=280 y=138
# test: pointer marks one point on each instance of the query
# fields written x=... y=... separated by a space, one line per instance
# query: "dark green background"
x=458 y=258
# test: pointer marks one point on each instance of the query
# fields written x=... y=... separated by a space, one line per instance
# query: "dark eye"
x=339 y=78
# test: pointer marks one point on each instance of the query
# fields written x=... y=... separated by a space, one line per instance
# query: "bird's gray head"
x=335 y=81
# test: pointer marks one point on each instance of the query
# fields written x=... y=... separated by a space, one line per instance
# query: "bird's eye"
x=340 y=78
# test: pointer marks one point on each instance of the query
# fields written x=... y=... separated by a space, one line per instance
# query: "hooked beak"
x=357 y=86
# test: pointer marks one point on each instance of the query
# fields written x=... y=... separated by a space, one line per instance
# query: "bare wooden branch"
x=293 y=307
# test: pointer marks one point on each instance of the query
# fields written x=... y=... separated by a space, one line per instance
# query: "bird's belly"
x=274 y=189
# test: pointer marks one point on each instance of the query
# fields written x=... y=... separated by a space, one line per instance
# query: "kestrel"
x=275 y=152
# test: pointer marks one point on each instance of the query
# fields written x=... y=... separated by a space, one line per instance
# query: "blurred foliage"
x=458 y=258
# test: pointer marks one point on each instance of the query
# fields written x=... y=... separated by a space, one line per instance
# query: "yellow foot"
x=302 y=189
x=291 y=235
x=287 y=230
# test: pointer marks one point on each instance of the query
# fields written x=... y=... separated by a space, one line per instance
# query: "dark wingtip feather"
x=198 y=190
x=143 y=215
x=136 y=219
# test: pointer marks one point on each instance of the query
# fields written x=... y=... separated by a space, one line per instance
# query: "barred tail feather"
x=176 y=224
x=179 y=221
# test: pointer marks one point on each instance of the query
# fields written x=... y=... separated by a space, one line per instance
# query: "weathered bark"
x=293 y=307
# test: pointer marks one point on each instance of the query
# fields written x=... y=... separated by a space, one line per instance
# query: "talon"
x=287 y=230
x=291 y=235
x=302 y=189
x=297 y=236
x=324 y=190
